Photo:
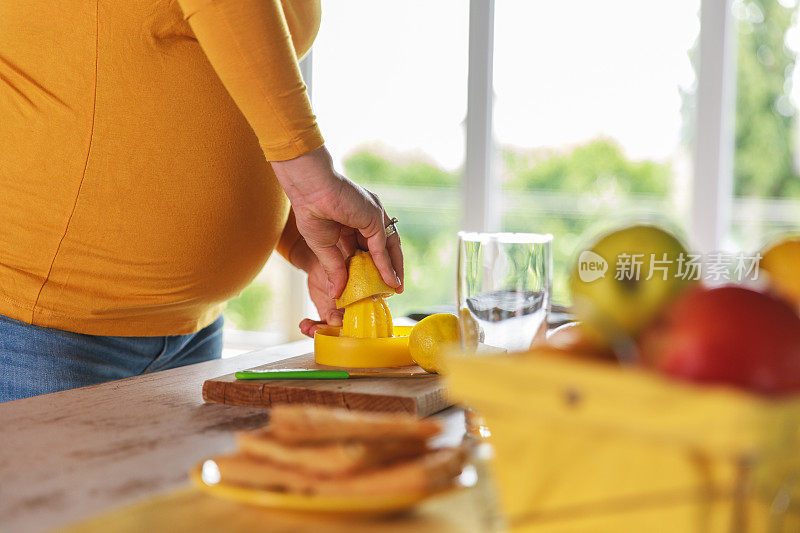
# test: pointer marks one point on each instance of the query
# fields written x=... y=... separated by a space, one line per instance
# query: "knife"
x=301 y=373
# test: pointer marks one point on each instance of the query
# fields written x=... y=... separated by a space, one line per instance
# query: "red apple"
x=729 y=335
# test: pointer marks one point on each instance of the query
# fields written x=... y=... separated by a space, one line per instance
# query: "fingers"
x=377 y=248
x=334 y=222
x=375 y=234
x=332 y=261
x=308 y=327
x=335 y=317
x=326 y=306
x=348 y=242
x=396 y=255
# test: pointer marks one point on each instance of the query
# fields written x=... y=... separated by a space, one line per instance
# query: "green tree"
x=764 y=134
x=588 y=169
x=578 y=177
x=763 y=164
x=250 y=310
x=563 y=193
x=366 y=167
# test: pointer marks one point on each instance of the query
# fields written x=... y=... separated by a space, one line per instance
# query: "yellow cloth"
x=136 y=195
x=587 y=445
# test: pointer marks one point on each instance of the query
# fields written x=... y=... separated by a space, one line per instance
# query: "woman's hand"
x=303 y=258
x=335 y=216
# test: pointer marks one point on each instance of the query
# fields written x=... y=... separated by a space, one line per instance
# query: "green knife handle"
x=294 y=374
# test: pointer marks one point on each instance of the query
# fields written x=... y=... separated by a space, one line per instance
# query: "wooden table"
x=67 y=456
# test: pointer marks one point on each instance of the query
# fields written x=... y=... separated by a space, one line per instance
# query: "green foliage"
x=425 y=199
x=763 y=164
x=250 y=311
x=366 y=167
x=583 y=176
x=590 y=168
x=764 y=134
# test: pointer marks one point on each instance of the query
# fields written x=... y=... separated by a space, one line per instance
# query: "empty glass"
x=504 y=285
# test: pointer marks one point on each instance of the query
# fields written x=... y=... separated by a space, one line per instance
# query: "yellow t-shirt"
x=135 y=195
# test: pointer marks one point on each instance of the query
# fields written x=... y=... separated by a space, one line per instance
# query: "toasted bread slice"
x=307 y=424
x=434 y=470
x=328 y=458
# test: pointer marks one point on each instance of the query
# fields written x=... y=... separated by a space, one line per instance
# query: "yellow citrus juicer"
x=367 y=338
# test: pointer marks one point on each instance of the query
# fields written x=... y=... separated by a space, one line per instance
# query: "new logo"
x=591 y=266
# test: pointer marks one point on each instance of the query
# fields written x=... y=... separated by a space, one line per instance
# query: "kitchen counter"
x=70 y=455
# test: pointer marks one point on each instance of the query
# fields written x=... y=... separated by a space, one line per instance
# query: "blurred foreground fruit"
x=612 y=296
x=572 y=337
x=781 y=260
x=429 y=337
x=729 y=335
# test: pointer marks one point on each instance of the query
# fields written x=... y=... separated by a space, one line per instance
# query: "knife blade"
x=303 y=373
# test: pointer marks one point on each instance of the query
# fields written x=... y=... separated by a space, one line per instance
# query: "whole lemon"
x=429 y=337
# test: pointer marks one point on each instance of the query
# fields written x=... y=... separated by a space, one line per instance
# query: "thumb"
x=332 y=262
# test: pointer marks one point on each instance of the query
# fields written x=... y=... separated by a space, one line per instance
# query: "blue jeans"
x=36 y=360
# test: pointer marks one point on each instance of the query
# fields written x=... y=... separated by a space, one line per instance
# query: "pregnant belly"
x=176 y=211
x=172 y=224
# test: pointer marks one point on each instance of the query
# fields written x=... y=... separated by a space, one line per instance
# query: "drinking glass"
x=504 y=286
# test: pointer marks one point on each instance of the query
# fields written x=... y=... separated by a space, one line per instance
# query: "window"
x=576 y=114
x=766 y=179
x=390 y=95
x=589 y=120
x=267 y=311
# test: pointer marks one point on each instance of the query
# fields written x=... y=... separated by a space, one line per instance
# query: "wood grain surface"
x=71 y=454
x=421 y=396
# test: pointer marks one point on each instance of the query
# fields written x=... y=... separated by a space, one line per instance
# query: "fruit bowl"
x=584 y=445
x=331 y=349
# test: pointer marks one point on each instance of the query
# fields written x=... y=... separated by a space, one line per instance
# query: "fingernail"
x=397 y=280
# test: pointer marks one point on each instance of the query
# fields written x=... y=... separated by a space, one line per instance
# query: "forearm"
x=249 y=46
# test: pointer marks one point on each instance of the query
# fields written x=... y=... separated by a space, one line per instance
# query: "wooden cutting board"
x=421 y=396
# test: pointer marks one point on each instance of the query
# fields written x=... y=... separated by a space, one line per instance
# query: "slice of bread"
x=293 y=424
x=433 y=470
x=330 y=458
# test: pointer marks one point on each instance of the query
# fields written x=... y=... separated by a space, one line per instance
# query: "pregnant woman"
x=153 y=154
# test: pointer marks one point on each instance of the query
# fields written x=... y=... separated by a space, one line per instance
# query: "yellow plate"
x=341 y=505
x=331 y=349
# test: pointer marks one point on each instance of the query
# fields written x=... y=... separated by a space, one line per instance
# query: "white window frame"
x=711 y=183
x=712 y=180
x=481 y=191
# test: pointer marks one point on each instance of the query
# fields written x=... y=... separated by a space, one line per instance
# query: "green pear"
x=625 y=279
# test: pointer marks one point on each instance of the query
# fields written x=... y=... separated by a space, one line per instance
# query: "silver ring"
x=390 y=228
